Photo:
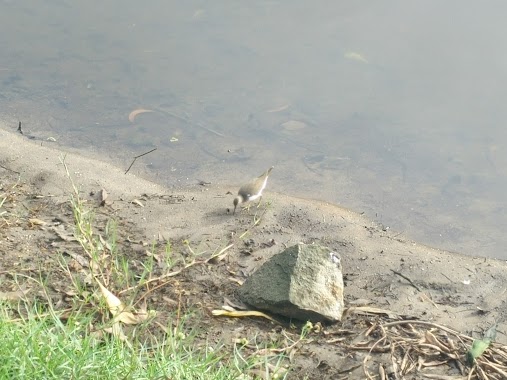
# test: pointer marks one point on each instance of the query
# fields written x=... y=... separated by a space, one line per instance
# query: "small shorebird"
x=252 y=190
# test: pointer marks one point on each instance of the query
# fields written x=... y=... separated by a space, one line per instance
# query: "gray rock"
x=302 y=282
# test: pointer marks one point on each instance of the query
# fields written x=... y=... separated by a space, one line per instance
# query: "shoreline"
x=450 y=289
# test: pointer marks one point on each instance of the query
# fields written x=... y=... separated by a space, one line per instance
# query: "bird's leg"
x=260 y=200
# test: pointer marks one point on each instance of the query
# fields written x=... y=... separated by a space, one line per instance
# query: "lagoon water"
x=393 y=109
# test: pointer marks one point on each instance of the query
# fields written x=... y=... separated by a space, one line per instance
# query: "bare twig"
x=176 y=272
x=496 y=368
x=10 y=170
x=136 y=157
x=406 y=278
x=426 y=323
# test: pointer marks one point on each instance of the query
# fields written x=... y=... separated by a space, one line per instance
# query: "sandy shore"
x=381 y=268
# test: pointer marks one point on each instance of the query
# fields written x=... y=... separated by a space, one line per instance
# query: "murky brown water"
x=395 y=109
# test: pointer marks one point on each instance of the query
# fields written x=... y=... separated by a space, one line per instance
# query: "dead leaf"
x=116 y=331
x=118 y=308
x=133 y=114
x=157 y=257
x=240 y=314
x=137 y=202
x=103 y=196
x=36 y=222
x=293 y=125
x=279 y=109
x=269 y=372
x=130 y=318
x=355 y=56
x=81 y=260
x=113 y=303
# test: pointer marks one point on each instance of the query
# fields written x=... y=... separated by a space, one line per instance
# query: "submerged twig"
x=186 y=120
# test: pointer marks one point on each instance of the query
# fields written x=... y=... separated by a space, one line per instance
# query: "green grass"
x=42 y=346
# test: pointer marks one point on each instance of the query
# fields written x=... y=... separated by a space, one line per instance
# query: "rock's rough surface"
x=303 y=282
